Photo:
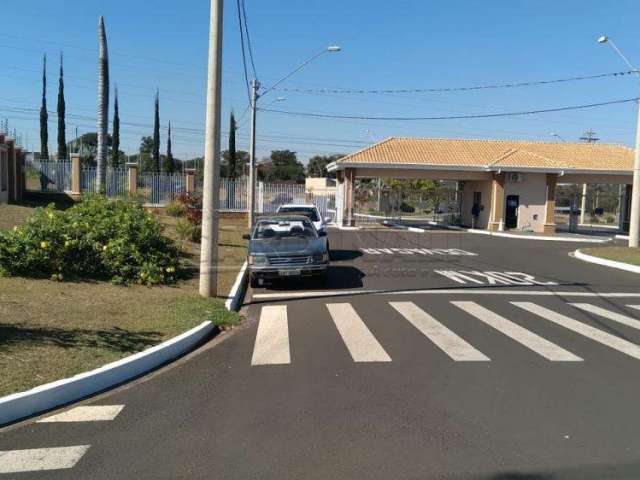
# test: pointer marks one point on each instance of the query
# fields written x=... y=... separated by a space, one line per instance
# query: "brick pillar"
x=190 y=180
x=550 y=206
x=132 y=170
x=11 y=162
x=75 y=174
x=496 y=216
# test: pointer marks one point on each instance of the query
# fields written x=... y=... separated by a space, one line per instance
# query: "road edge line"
x=238 y=290
x=607 y=263
x=19 y=406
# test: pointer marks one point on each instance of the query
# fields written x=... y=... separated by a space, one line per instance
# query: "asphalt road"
x=437 y=355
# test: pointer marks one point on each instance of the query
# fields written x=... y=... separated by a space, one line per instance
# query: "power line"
x=459 y=89
x=249 y=45
x=243 y=49
x=452 y=117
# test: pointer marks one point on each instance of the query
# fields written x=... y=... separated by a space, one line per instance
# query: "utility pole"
x=589 y=136
x=255 y=86
x=211 y=197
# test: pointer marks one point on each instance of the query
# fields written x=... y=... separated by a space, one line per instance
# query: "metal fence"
x=48 y=176
x=159 y=188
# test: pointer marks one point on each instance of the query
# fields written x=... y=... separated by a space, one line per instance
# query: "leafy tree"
x=318 y=166
x=116 y=158
x=62 y=142
x=283 y=166
x=168 y=163
x=232 y=153
x=44 y=116
x=156 y=135
x=241 y=160
x=88 y=145
x=145 y=157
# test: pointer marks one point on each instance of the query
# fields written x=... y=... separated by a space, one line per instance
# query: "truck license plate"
x=290 y=273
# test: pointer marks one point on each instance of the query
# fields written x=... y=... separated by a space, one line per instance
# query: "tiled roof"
x=494 y=154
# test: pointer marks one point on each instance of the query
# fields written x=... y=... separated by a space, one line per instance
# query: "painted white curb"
x=45 y=397
x=236 y=294
x=622 y=237
x=607 y=263
x=538 y=237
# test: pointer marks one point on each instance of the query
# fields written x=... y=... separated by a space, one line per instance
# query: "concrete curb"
x=622 y=237
x=234 y=300
x=51 y=395
x=607 y=263
x=538 y=237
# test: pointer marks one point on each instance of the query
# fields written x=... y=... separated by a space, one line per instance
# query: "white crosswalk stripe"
x=272 y=339
x=38 y=459
x=534 y=342
x=360 y=342
x=636 y=307
x=450 y=343
x=588 y=331
x=96 y=413
x=616 y=317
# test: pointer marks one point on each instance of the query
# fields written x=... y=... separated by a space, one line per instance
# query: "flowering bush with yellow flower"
x=97 y=238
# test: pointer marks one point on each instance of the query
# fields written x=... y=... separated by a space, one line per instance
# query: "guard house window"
x=3 y=172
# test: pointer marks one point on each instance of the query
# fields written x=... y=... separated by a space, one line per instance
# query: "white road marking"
x=18 y=461
x=461 y=291
x=534 y=342
x=272 y=339
x=636 y=307
x=450 y=343
x=588 y=331
x=360 y=342
x=616 y=317
x=97 y=413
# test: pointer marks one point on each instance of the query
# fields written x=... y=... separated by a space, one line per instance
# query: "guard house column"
x=625 y=211
x=339 y=198
x=550 y=206
x=349 y=194
x=496 y=216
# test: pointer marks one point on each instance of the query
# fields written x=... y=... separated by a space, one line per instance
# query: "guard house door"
x=511 y=217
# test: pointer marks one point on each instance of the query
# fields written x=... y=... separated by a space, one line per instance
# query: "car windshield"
x=279 y=229
x=308 y=212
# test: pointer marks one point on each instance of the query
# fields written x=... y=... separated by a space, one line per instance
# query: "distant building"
x=11 y=170
x=320 y=186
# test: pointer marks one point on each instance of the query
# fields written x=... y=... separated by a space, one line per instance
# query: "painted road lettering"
x=455 y=252
x=475 y=277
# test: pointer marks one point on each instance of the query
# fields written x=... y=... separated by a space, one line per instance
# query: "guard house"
x=513 y=183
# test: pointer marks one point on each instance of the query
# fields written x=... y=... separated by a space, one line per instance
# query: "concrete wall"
x=533 y=192
x=484 y=187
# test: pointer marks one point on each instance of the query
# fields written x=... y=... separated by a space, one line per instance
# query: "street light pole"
x=634 y=228
x=255 y=86
x=254 y=113
x=210 y=196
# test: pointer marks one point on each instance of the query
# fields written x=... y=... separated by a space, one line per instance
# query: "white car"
x=309 y=211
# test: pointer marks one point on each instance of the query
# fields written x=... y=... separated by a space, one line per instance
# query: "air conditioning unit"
x=515 y=177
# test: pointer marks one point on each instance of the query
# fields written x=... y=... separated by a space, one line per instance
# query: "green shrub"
x=610 y=219
x=97 y=238
x=176 y=209
x=187 y=231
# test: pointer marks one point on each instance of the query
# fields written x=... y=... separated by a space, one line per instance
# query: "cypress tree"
x=103 y=107
x=169 y=165
x=44 y=116
x=62 y=137
x=232 y=146
x=156 y=135
x=115 y=153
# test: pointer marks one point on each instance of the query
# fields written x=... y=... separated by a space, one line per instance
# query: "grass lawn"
x=617 y=254
x=51 y=330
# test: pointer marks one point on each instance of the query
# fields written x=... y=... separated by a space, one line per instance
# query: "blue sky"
x=386 y=45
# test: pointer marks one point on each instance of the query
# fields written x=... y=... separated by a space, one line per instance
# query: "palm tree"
x=103 y=105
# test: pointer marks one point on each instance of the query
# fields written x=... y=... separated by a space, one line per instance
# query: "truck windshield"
x=309 y=212
x=267 y=229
